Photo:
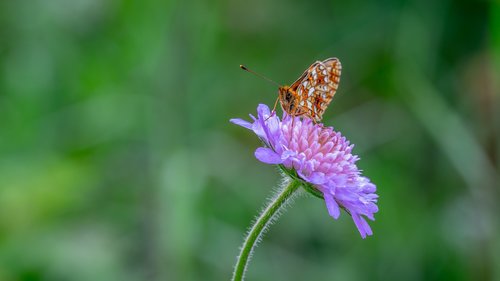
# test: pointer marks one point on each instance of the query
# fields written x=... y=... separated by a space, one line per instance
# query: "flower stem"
x=270 y=213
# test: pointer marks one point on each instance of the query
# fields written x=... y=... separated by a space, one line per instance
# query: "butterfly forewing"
x=316 y=87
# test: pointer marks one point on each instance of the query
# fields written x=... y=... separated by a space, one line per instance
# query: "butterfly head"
x=287 y=98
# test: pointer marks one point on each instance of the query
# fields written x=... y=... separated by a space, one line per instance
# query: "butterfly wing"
x=316 y=87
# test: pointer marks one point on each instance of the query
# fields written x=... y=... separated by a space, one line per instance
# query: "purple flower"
x=319 y=156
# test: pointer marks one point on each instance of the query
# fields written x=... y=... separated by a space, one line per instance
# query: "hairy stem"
x=270 y=213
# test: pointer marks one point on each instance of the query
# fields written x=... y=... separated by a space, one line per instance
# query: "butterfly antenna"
x=259 y=75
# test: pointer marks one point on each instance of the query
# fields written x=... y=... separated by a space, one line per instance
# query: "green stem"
x=270 y=213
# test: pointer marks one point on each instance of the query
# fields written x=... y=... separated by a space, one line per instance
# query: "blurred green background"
x=118 y=161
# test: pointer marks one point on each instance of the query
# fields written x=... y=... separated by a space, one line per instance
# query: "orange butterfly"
x=311 y=94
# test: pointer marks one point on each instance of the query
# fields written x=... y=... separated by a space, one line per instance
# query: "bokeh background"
x=118 y=161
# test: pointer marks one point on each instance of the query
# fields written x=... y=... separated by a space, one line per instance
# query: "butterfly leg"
x=272 y=113
x=274 y=108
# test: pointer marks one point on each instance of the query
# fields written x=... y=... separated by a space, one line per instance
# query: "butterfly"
x=312 y=92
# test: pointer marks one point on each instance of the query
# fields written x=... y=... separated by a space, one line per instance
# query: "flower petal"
x=242 y=123
x=331 y=205
x=363 y=227
x=317 y=178
x=267 y=126
x=314 y=177
x=267 y=156
x=259 y=130
x=263 y=110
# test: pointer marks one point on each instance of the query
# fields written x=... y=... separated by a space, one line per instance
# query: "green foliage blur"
x=118 y=161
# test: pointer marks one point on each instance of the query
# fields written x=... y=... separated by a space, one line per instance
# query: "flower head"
x=319 y=156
